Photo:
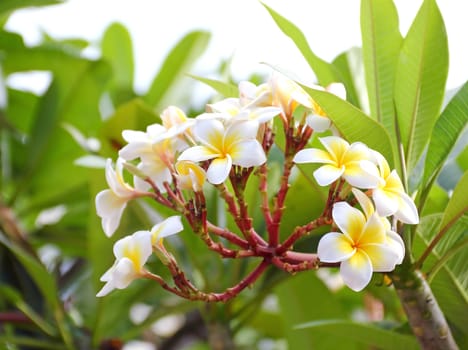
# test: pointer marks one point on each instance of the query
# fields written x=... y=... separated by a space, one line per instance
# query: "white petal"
x=168 y=227
x=349 y=220
x=110 y=208
x=240 y=131
x=337 y=89
x=135 y=150
x=318 y=123
x=335 y=247
x=327 y=174
x=364 y=202
x=356 y=271
x=198 y=154
x=248 y=153
x=135 y=136
x=383 y=257
x=264 y=114
x=362 y=174
x=106 y=289
x=219 y=169
x=395 y=241
x=335 y=145
x=407 y=211
x=386 y=203
x=124 y=273
x=209 y=132
x=312 y=155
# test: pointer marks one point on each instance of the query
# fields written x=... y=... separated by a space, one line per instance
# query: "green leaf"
x=420 y=81
x=448 y=129
x=367 y=334
x=44 y=280
x=117 y=50
x=10 y=5
x=353 y=124
x=457 y=204
x=298 y=304
x=326 y=73
x=225 y=89
x=132 y=115
x=381 y=42
x=349 y=64
x=177 y=63
x=15 y=298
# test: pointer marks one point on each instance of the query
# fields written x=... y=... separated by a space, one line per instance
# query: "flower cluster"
x=172 y=162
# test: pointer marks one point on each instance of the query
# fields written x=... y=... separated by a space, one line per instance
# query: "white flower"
x=140 y=144
x=318 y=120
x=352 y=162
x=390 y=197
x=111 y=203
x=131 y=254
x=225 y=146
x=393 y=239
x=190 y=176
x=168 y=227
x=237 y=111
x=177 y=125
x=361 y=249
x=287 y=94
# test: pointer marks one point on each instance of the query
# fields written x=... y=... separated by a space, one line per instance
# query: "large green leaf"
x=448 y=128
x=420 y=80
x=10 y=5
x=353 y=124
x=225 y=89
x=349 y=64
x=117 y=50
x=364 y=333
x=381 y=42
x=457 y=204
x=326 y=73
x=299 y=303
x=176 y=64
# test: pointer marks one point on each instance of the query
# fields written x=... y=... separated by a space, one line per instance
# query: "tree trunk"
x=424 y=314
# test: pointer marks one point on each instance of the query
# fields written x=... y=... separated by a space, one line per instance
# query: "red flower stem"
x=301 y=231
x=230 y=236
x=157 y=195
x=231 y=204
x=293 y=268
x=162 y=283
x=263 y=188
x=234 y=291
x=178 y=202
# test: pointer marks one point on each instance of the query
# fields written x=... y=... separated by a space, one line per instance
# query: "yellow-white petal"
x=364 y=202
x=110 y=208
x=361 y=174
x=386 y=203
x=407 y=211
x=168 y=227
x=349 y=220
x=210 y=132
x=318 y=122
x=382 y=256
x=356 y=271
x=373 y=231
x=395 y=242
x=199 y=154
x=327 y=174
x=247 y=153
x=219 y=169
x=313 y=155
x=335 y=247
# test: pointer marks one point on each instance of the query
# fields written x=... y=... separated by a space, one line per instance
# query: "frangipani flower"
x=253 y=95
x=287 y=94
x=361 y=249
x=131 y=254
x=225 y=146
x=190 y=176
x=157 y=165
x=390 y=197
x=341 y=159
x=140 y=144
x=177 y=124
x=234 y=108
x=168 y=227
x=318 y=120
x=111 y=203
x=393 y=239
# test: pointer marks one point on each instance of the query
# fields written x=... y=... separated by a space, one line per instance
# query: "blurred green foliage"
x=52 y=169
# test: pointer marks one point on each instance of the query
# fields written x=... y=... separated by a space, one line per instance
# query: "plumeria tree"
x=281 y=213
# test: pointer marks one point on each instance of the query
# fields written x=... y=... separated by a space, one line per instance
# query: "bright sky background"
x=242 y=28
